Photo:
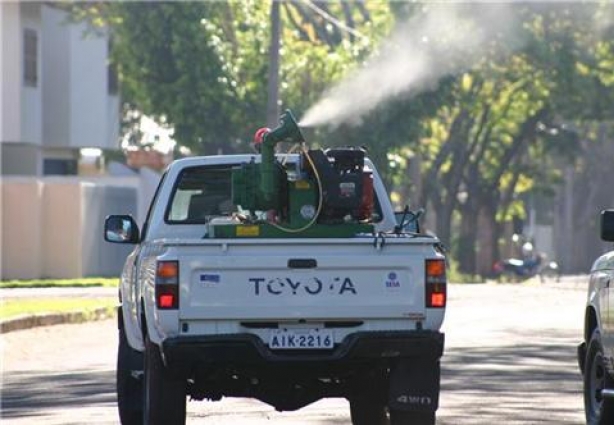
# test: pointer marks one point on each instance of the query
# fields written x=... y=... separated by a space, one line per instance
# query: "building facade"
x=58 y=93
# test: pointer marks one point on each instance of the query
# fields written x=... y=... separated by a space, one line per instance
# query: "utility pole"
x=272 y=109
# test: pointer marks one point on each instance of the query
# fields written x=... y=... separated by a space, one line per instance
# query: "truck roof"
x=237 y=158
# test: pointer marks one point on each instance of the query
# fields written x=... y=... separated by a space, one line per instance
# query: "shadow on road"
x=25 y=394
x=533 y=382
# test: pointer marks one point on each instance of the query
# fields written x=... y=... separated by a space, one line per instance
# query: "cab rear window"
x=200 y=193
x=204 y=192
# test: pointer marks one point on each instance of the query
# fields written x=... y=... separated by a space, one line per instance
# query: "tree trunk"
x=442 y=221
x=488 y=239
x=466 y=249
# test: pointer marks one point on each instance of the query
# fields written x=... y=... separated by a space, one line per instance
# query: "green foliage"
x=13 y=308
x=455 y=276
x=496 y=132
x=171 y=65
x=203 y=66
x=512 y=120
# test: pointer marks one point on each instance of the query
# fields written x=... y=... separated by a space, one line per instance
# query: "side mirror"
x=607 y=225
x=121 y=229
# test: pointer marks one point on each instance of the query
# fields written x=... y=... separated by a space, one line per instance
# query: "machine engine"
x=347 y=190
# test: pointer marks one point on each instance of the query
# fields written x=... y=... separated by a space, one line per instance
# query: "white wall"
x=10 y=73
x=113 y=119
x=56 y=78
x=51 y=227
x=78 y=110
x=88 y=88
x=21 y=227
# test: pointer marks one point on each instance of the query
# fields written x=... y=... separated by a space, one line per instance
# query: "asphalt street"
x=510 y=359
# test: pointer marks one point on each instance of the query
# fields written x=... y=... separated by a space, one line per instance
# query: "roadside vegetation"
x=14 y=307
x=455 y=276
x=89 y=282
x=10 y=309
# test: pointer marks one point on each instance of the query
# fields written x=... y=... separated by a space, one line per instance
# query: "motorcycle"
x=521 y=269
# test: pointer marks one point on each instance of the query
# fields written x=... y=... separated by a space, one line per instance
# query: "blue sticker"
x=392 y=281
x=210 y=278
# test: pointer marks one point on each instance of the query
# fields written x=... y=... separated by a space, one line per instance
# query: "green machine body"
x=320 y=196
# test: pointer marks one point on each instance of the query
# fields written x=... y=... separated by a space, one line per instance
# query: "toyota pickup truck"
x=596 y=352
x=280 y=277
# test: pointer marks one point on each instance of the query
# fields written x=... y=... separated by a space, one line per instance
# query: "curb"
x=32 y=321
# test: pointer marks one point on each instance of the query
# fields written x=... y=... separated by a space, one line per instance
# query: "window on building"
x=30 y=57
x=112 y=82
x=60 y=167
x=113 y=86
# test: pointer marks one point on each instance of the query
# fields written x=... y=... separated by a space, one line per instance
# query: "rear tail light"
x=167 y=285
x=435 y=280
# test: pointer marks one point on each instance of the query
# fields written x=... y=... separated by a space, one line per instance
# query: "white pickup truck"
x=278 y=304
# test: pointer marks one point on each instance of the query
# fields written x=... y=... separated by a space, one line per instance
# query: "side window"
x=151 y=204
x=181 y=204
x=30 y=57
x=377 y=214
x=200 y=194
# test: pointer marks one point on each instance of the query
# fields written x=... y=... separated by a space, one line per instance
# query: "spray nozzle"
x=287 y=129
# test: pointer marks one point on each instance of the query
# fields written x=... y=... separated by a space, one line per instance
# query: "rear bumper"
x=248 y=349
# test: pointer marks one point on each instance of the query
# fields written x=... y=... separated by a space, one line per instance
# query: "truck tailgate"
x=301 y=279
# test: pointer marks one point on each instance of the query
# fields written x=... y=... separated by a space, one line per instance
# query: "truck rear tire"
x=165 y=394
x=398 y=417
x=599 y=410
x=129 y=388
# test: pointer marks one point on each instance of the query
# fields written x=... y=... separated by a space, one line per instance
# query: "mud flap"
x=414 y=385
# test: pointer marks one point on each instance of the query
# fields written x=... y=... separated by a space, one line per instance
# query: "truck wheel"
x=129 y=387
x=367 y=412
x=165 y=395
x=599 y=410
x=398 y=417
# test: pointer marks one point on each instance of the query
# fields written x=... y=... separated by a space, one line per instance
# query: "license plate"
x=300 y=339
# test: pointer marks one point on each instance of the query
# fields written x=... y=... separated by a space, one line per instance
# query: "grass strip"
x=88 y=282
x=10 y=309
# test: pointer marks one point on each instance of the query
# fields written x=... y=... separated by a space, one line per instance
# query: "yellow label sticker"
x=302 y=184
x=248 y=230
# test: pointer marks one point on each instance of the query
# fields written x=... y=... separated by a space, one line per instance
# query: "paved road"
x=510 y=359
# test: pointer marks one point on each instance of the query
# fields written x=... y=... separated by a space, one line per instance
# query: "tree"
x=490 y=132
x=203 y=65
x=493 y=141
